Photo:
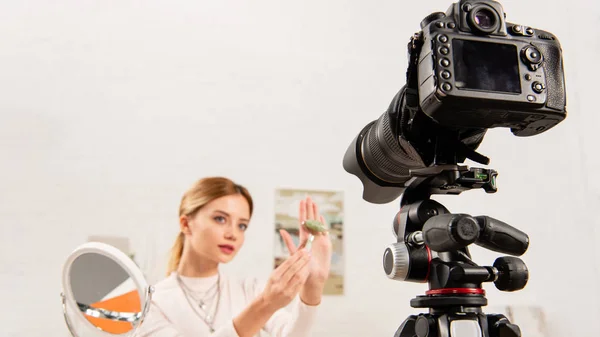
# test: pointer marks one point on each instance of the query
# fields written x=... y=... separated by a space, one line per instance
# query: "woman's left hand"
x=320 y=252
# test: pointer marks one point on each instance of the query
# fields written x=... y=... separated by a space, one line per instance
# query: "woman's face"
x=216 y=231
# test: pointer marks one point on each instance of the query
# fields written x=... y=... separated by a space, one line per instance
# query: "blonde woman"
x=197 y=299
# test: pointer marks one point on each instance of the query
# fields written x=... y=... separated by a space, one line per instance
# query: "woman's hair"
x=201 y=193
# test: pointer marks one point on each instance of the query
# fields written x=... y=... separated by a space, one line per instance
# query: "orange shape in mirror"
x=128 y=302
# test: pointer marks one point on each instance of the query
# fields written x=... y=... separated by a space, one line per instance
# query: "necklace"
x=202 y=304
x=203 y=297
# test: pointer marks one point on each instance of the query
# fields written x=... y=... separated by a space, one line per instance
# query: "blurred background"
x=110 y=110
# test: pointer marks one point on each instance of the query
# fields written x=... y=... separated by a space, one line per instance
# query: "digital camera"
x=477 y=70
x=468 y=71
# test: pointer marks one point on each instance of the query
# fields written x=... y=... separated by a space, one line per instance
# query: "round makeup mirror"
x=103 y=290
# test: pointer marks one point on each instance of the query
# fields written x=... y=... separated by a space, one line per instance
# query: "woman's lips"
x=227 y=249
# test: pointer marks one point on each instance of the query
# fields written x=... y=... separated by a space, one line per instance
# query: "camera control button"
x=528 y=77
x=532 y=57
x=531 y=98
x=444 y=51
x=443 y=38
x=445 y=62
x=538 y=87
x=529 y=31
x=517 y=29
x=446 y=74
x=451 y=25
x=446 y=87
x=439 y=24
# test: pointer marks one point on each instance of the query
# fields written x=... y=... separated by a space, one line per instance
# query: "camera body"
x=468 y=71
x=475 y=70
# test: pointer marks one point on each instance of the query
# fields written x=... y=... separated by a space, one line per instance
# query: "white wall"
x=111 y=109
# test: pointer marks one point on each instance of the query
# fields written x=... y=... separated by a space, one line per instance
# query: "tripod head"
x=432 y=246
x=432 y=243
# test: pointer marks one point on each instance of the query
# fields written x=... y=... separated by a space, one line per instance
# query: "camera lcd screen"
x=486 y=66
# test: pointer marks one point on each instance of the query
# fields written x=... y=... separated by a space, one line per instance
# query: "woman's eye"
x=220 y=219
x=243 y=227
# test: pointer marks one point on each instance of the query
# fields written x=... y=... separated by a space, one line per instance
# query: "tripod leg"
x=500 y=326
x=407 y=329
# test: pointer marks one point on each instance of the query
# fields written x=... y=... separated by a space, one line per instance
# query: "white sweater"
x=171 y=315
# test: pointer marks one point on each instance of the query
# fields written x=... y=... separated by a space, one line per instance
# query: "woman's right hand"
x=283 y=286
x=286 y=280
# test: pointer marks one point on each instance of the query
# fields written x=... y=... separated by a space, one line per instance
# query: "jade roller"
x=314 y=227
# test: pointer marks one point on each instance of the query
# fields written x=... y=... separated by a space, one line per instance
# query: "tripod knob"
x=512 y=273
x=396 y=261
x=406 y=263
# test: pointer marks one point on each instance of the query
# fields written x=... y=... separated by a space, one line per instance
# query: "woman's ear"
x=184 y=225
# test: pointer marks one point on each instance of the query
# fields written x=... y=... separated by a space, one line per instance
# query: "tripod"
x=432 y=247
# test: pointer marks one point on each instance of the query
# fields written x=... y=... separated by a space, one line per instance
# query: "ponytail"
x=176 y=252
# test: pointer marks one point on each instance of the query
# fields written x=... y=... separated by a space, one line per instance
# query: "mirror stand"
x=65 y=314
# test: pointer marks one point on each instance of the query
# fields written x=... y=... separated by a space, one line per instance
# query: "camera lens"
x=484 y=18
x=381 y=157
